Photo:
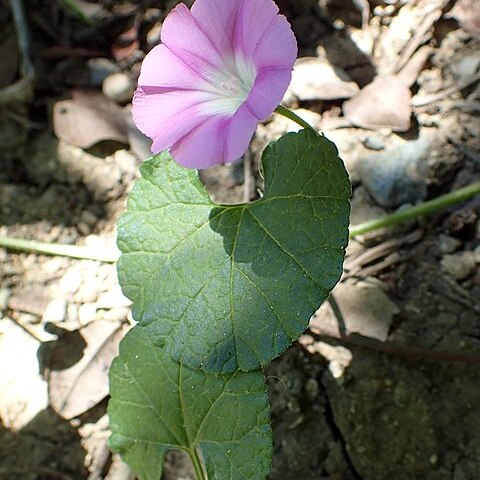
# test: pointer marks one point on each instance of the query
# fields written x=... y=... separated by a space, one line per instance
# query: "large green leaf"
x=231 y=286
x=158 y=404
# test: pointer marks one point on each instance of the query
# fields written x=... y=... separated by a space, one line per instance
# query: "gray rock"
x=364 y=208
x=99 y=69
x=476 y=254
x=349 y=149
x=119 y=87
x=89 y=218
x=398 y=174
x=448 y=244
x=459 y=265
x=467 y=66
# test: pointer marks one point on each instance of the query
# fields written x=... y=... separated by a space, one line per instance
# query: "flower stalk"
x=286 y=112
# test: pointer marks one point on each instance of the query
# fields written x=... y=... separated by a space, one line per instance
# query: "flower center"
x=230 y=86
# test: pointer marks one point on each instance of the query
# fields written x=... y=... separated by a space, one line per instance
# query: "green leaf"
x=230 y=287
x=158 y=404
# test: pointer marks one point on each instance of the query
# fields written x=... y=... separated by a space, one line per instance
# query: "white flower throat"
x=230 y=86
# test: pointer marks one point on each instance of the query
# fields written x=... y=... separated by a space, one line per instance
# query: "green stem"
x=111 y=256
x=417 y=211
x=197 y=465
x=72 y=251
x=286 y=112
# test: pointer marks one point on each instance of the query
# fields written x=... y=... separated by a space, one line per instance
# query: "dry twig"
x=423 y=101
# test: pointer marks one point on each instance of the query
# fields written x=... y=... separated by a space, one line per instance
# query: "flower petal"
x=217 y=19
x=241 y=128
x=181 y=34
x=268 y=91
x=223 y=66
x=254 y=17
x=277 y=47
x=162 y=68
x=166 y=117
x=217 y=140
x=204 y=146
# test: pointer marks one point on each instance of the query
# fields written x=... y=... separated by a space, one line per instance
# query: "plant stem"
x=286 y=112
x=417 y=211
x=72 y=251
x=197 y=465
x=111 y=256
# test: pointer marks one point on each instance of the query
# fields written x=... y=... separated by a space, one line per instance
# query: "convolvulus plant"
x=218 y=291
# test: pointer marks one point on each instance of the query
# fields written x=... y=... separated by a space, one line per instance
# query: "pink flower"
x=221 y=68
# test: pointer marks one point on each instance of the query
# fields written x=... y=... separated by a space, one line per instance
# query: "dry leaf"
x=365 y=307
x=409 y=73
x=411 y=27
x=88 y=118
x=315 y=79
x=384 y=103
x=78 y=377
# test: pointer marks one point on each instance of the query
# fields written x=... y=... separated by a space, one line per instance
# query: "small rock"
x=113 y=299
x=339 y=358
x=459 y=265
x=99 y=69
x=84 y=229
x=119 y=87
x=398 y=174
x=374 y=143
x=4 y=296
x=153 y=36
x=315 y=79
x=70 y=282
x=72 y=313
x=466 y=67
x=476 y=254
x=448 y=244
x=87 y=313
x=55 y=311
x=126 y=162
x=311 y=388
x=88 y=217
x=364 y=208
